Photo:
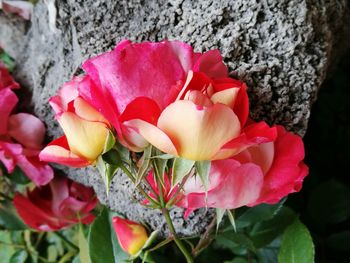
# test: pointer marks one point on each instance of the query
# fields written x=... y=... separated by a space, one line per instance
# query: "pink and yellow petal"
x=198 y=132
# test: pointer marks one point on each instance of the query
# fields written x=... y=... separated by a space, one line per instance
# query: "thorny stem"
x=168 y=220
x=141 y=190
x=177 y=240
x=205 y=239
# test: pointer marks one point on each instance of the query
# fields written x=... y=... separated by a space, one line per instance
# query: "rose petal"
x=198 y=132
x=27 y=130
x=287 y=170
x=149 y=68
x=153 y=135
x=211 y=64
x=235 y=185
x=85 y=138
x=8 y=101
x=58 y=152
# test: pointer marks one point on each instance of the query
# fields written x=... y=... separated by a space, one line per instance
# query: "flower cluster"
x=55 y=202
x=21 y=135
x=188 y=118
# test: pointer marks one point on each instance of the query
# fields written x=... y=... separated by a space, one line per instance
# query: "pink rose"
x=180 y=101
x=262 y=173
x=59 y=204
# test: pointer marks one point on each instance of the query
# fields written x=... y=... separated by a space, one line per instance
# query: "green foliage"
x=103 y=244
x=181 y=168
x=297 y=246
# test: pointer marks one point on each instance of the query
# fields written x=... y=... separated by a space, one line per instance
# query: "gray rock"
x=281 y=48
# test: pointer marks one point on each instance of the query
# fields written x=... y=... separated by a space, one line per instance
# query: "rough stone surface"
x=281 y=48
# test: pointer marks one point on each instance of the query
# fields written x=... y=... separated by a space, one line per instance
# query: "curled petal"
x=85 y=138
x=198 y=132
x=142 y=108
x=253 y=134
x=211 y=64
x=227 y=97
x=58 y=152
x=153 y=135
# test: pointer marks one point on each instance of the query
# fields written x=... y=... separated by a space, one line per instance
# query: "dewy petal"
x=153 y=135
x=198 y=132
x=8 y=101
x=85 y=138
x=235 y=186
x=211 y=64
x=151 y=69
x=27 y=130
x=227 y=97
x=58 y=152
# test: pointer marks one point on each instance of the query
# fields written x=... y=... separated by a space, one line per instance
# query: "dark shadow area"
x=324 y=202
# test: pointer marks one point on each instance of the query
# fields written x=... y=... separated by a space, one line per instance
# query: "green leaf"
x=107 y=172
x=181 y=168
x=6 y=250
x=19 y=257
x=220 y=212
x=9 y=218
x=112 y=157
x=297 y=245
x=109 y=143
x=118 y=252
x=232 y=240
x=18 y=176
x=265 y=232
x=145 y=165
x=100 y=243
x=7 y=60
x=238 y=260
x=165 y=156
x=268 y=254
x=231 y=218
x=203 y=169
x=257 y=214
x=83 y=247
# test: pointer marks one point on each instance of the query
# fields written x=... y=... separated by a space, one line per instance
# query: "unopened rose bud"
x=131 y=235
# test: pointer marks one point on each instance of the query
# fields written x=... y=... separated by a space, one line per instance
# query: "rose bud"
x=85 y=129
x=131 y=235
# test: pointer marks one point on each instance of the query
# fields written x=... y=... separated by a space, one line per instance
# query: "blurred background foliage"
x=324 y=201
